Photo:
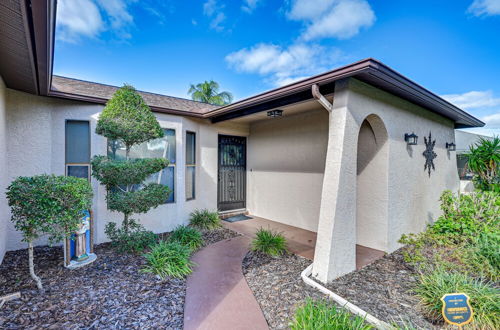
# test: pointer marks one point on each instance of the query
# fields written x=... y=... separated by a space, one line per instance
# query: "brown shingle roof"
x=100 y=93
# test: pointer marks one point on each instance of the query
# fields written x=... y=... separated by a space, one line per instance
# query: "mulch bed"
x=382 y=289
x=277 y=286
x=109 y=293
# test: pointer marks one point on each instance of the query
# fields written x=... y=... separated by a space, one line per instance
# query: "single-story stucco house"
x=334 y=154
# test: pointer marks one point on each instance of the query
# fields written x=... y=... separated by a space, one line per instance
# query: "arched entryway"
x=372 y=191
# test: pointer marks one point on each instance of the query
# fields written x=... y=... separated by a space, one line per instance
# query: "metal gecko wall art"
x=429 y=154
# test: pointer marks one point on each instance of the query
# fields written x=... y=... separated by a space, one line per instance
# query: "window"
x=159 y=148
x=190 y=165
x=463 y=171
x=77 y=148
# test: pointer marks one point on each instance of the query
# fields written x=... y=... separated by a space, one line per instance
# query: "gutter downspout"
x=320 y=98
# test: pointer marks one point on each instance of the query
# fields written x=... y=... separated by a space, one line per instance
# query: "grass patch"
x=323 y=315
x=187 y=236
x=169 y=259
x=205 y=220
x=269 y=242
x=484 y=298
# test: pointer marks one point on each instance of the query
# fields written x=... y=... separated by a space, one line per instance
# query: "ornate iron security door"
x=231 y=191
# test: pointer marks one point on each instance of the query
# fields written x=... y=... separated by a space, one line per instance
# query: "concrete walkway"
x=299 y=241
x=217 y=295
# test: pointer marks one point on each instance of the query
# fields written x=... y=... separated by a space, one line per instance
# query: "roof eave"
x=368 y=70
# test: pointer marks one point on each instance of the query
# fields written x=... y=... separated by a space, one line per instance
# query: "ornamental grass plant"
x=325 y=315
x=269 y=242
x=187 y=236
x=205 y=219
x=484 y=296
x=169 y=259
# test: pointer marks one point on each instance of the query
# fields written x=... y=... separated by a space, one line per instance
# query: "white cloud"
x=473 y=99
x=485 y=7
x=341 y=19
x=78 y=18
x=210 y=7
x=215 y=11
x=249 y=5
x=89 y=18
x=280 y=65
x=117 y=12
x=493 y=120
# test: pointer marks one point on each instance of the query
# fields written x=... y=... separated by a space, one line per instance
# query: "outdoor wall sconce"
x=451 y=146
x=275 y=113
x=411 y=139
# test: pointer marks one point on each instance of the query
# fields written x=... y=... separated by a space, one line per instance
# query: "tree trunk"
x=32 y=267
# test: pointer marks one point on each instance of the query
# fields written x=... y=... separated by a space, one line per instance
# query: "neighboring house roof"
x=464 y=140
x=26 y=49
x=99 y=93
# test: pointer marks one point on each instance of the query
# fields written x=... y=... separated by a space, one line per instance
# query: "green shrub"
x=488 y=246
x=269 y=242
x=47 y=205
x=135 y=240
x=468 y=215
x=324 y=315
x=205 y=220
x=169 y=259
x=187 y=236
x=484 y=298
x=464 y=239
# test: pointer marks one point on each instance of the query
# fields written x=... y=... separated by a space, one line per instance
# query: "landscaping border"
x=306 y=273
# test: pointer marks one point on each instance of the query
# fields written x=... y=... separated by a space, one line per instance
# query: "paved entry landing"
x=217 y=295
x=300 y=241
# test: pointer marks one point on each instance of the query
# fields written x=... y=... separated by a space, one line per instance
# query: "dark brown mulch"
x=383 y=289
x=277 y=286
x=109 y=293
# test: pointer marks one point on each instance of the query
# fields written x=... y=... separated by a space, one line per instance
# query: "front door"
x=231 y=189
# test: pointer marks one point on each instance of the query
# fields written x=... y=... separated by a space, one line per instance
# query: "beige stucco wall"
x=286 y=161
x=4 y=214
x=413 y=196
x=36 y=138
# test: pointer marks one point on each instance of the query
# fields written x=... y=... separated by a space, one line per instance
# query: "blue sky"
x=249 y=46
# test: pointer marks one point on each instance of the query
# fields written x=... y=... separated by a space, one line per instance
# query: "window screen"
x=190 y=165
x=78 y=148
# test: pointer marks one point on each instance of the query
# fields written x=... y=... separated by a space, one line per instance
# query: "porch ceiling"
x=288 y=110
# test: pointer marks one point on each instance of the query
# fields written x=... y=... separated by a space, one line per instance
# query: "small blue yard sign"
x=457 y=309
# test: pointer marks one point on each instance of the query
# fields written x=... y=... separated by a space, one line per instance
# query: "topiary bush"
x=47 y=205
x=205 y=220
x=187 y=236
x=169 y=259
x=325 y=315
x=269 y=242
x=127 y=119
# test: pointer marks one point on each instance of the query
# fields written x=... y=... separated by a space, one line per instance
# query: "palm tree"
x=484 y=161
x=208 y=92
